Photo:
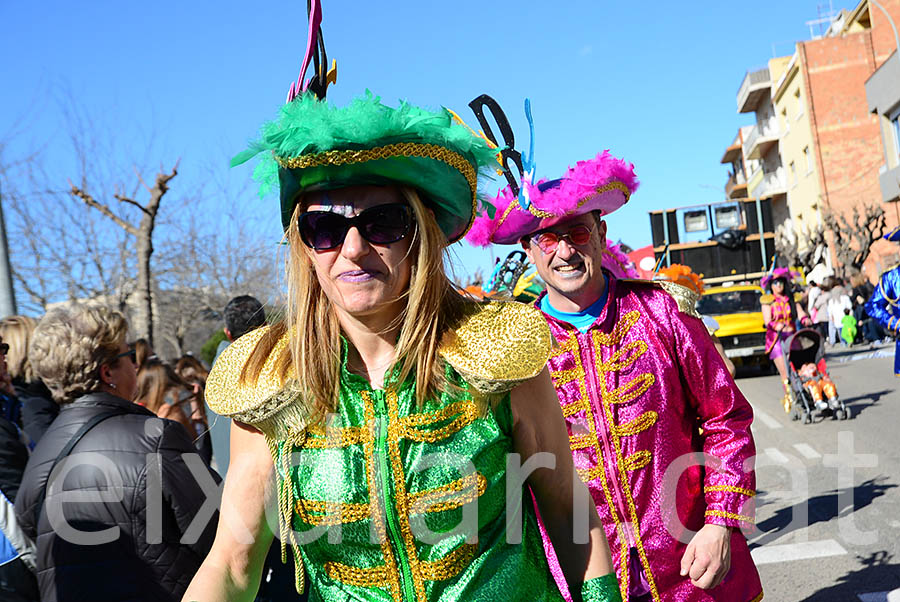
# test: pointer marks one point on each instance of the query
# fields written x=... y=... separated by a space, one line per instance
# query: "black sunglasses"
x=130 y=354
x=380 y=225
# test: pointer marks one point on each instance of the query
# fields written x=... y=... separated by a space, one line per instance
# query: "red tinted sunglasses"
x=548 y=241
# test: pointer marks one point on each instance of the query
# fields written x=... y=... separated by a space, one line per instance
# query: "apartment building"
x=883 y=94
x=818 y=144
x=760 y=144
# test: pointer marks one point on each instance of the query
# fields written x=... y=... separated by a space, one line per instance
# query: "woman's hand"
x=566 y=507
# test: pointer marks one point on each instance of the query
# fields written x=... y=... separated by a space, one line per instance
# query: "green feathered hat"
x=315 y=145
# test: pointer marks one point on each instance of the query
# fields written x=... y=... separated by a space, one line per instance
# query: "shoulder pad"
x=266 y=404
x=767 y=299
x=685 y=298
x=498 y=345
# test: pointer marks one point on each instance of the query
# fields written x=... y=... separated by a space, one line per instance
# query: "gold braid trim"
x=546 y=215
x=467 y=411
x=351 y=575
x=391 y=570
x=286 y=501
x=730 y=489
x=330 y=514
x=638 y=425
x=320 y=438
x=637 y=460
x=449 y=496
x=723 y=514
x=400 y=149
x=599 y=190
x=450 y=565
x=438 y=570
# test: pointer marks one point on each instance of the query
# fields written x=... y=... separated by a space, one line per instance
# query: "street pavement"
x=828 y=502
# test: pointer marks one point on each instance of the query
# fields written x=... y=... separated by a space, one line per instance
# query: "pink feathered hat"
x=603 y=184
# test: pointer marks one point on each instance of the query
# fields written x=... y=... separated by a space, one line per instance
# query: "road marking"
x=797 y=551
x=891 y=596
x=766 y=419
x=807 y=451
x=776 y=456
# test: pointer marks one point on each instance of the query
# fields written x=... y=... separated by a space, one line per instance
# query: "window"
x=799 y=103
x=785 y=120
x=793 y=174
x=727 y=217
x=895 y=127
x=808 y=158
x=696 y=221
x=729 y=302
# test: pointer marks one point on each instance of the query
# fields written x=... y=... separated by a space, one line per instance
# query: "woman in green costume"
x=398 y=414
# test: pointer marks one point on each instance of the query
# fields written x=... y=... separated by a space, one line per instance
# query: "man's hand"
x=708 y=556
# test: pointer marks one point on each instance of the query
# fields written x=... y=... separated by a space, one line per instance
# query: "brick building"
x=829 y=142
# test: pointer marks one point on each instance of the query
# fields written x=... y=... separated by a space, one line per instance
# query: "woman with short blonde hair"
x=82 y=355
x=70 y=347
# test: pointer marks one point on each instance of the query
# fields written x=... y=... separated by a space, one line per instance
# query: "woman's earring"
x=112 y=385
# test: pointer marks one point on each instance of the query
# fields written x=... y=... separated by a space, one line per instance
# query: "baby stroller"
x=802 y=348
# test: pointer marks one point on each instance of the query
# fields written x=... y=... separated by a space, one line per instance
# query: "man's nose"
x=564 y=249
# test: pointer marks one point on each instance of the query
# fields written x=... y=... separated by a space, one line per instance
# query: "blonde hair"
x=314 y=351
x=69 y=346
x=16 y=332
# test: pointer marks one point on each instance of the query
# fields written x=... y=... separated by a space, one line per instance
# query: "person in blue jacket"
x=884 y=304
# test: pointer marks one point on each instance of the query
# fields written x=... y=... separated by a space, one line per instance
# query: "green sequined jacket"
x=395 y=501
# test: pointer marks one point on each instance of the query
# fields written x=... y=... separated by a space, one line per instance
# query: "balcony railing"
x=772 y=183
x=752 y=88
x=738 y=182
x=761 y=135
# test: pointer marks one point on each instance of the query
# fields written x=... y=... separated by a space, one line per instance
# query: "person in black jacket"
x=38 y=407
x=131 y=533
x=17 y=581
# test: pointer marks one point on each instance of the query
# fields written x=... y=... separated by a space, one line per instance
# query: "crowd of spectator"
x=107 y=461
x=837 y=309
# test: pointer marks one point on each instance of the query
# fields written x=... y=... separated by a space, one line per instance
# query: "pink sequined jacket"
x=642 y=392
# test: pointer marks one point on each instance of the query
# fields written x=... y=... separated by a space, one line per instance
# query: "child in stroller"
x=811 y=386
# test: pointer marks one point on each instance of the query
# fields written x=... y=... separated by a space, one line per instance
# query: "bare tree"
x=805 y=249
x=205 y=264
x=143 y=233
x=853 y=234
x=69 y=244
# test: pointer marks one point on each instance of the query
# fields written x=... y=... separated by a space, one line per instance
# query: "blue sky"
x=655 y=82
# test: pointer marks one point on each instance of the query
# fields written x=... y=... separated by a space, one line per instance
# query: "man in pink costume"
x=659 y=431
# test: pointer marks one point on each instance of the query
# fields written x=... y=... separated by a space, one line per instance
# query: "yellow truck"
x=738 y=311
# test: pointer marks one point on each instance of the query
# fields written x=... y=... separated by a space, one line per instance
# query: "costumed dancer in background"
x=685 y=276
x=426 y=394
x=636 y=372
x=780 y=314
x=884 y=304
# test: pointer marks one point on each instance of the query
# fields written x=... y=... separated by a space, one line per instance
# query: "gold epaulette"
x=268 y=404
x=498 y=345
x=685 y=297
x=767 y=299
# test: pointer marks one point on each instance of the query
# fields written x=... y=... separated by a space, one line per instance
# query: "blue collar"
x=582 y=320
